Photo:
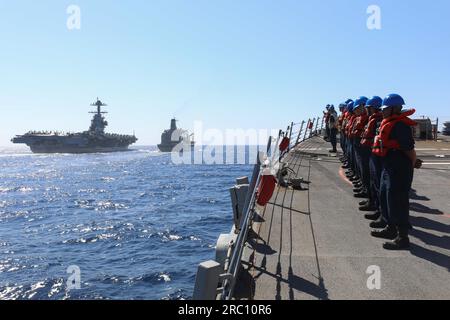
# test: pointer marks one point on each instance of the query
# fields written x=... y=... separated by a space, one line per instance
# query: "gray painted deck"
x=315 y=244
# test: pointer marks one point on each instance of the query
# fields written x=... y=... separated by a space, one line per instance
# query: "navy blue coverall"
x=396 y=178
x=375 y=174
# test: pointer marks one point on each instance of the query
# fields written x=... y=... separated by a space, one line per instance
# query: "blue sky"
x=232 y=64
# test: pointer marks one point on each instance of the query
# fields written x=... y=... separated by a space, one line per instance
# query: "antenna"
x=99 y=106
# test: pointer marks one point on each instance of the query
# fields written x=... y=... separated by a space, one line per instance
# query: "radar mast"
x=98 y=122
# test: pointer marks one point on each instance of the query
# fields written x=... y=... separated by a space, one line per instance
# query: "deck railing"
x=215 y=281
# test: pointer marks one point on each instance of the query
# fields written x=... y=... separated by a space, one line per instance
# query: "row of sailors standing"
x=378 y=152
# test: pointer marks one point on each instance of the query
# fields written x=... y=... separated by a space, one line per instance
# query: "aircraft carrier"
x=91 y=141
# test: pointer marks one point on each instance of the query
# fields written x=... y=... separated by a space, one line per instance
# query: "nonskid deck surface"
x=315 y=244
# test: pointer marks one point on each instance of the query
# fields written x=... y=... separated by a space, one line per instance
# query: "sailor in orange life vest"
x=354 y=173
x=362 y=181
x=350 y=164
x=340 y=122
x=370 y=162
x=343 y=122
x=394 y=144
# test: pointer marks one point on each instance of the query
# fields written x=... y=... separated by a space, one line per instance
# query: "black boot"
x=374 y=217
x=364 y=202
x=367 y=207
x=401 y=242
x=389 y=233
x=361 y=195
x=379 y=223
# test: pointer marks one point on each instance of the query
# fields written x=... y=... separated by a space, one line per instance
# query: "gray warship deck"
x=315 y=244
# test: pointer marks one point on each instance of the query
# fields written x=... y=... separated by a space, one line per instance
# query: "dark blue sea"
x=135 y=224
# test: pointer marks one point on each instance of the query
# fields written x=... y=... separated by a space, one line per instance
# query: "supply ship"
x=173 y=137
x=91 y=141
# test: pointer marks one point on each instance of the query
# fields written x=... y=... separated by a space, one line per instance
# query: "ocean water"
x=135 y=224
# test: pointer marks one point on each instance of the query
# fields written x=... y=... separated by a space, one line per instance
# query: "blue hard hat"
x=348 y=101
x=375 y=102
x=393 y=100
x=350 y=106
x=360 y=101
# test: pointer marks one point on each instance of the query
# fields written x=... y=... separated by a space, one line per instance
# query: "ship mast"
x=98 y=122
x=99 y=106
x=173 y=124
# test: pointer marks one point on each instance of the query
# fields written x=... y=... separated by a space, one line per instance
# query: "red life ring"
x=266 y=189
x=284 y=144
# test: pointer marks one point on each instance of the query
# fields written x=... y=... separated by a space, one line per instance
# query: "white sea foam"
x=164 y=277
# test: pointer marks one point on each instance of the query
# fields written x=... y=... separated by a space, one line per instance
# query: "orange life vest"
x=349 y=126
x=382 y=143
x=369 y=134
x=358 y=127
x=341 y=119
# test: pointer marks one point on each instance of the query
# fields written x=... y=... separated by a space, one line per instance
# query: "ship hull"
x=170 y=147
x=79 y=143
x=76 y=150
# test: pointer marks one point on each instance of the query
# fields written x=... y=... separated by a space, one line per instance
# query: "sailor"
x=370 y=162
x=326 y=115
x=332 y=125
x=342 y=110
x=360 y=181
x=342 y=125
x=348 y=124
x=394 y=144
x=345 y=123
